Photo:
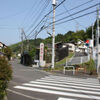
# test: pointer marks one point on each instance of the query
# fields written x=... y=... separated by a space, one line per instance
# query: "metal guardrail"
x=69 y=67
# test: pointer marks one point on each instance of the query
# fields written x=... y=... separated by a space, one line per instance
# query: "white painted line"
x=74 y=81
x=26 y=96
x=72 y=78
x=76 y=84
x=60 y=98
x=58 y=92
x=66 y=86
x=63 y=89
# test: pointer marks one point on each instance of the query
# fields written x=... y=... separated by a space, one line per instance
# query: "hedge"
x=5 y=75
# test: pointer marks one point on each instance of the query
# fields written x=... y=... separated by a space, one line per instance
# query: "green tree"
x=32 y=53
x=68 y=36
x=59 y=38
x=5 y=75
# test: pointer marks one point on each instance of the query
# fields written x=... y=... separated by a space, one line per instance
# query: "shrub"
x=91 y=68
x=8 y=52
x=5 y=75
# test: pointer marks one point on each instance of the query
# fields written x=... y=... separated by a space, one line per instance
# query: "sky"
x=26 y=14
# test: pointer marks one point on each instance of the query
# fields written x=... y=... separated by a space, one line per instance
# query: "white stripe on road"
x=70 y=83
x=67 y=86
x=73 y=80
x=60 y=98
x=62 y=89
x=26 y=96
x=58 y=92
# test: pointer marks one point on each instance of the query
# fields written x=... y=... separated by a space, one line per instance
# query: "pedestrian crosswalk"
x=69 y=87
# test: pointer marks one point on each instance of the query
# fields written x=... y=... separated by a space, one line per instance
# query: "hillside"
x=70 y=36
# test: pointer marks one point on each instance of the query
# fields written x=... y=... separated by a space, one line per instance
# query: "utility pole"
x=26 y=39
x=97 y=42
x=22 y=45
x=93 y=41
x=53 y=34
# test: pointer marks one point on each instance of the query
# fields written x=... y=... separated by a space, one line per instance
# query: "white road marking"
x=66 y=86
x=93 y=80
x=73 y=80
x=60 y=98
x=62 y=89
x=70 y=83
x=58 y=92
x=18 y=93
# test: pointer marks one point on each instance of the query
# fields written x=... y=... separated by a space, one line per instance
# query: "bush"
x=8 y=52
x=5 y=75
x=91 y=68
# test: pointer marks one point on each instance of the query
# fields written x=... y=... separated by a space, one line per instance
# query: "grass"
x=64 y=60
x=58 y=65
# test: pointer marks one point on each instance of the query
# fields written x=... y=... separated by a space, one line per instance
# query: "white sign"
x=91 y=43
x=41 y=51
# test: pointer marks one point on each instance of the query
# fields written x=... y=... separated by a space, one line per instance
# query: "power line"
x=71 y=16
x=43 y=9
x=71 y=19
x=76 y=7
x=44 y=17
x=76 y=13
x=77 y=17
x=23 y=22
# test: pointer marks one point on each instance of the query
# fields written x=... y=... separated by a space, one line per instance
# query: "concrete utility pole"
x=93 y=41
x=26 y=39
x=53 y=34
x=22 y=45
x=97 y=42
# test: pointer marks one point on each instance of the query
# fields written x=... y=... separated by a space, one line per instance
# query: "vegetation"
x=5 y=76
x=59 y=65
x=32 y=53
x=70 y=36
x=90 y=66
x=63 y=61
x=8 y=52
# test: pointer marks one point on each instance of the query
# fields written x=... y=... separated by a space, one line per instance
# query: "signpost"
x=42 y=62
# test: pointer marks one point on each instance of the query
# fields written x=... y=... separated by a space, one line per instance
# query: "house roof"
x=3 y=45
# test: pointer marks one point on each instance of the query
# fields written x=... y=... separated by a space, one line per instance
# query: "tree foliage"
x=8 y=52
x=5 y=75
x=68 y=37
x=32 y=53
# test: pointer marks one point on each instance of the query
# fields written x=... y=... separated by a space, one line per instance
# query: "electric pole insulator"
x=53 y=2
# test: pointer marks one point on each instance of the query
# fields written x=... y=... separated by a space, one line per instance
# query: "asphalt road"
x=31 y=84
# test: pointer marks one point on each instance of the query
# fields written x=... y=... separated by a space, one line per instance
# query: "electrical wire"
x=76 y=17
x=44 y=17
x=43 y=9
x=33 y=6
x=76 y=7
x=76 y=13
x=72 y=17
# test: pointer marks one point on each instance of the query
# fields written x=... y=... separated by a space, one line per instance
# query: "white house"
x=2 y=45
x=71 y=47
